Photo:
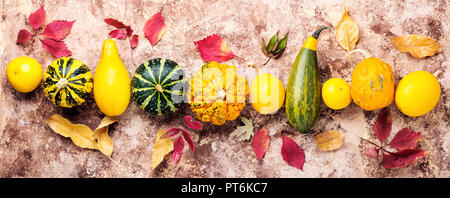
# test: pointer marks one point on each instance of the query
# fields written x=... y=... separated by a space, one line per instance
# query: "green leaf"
x=263 y=47
x=244 y=132
x=272 y=42
x=281 y=45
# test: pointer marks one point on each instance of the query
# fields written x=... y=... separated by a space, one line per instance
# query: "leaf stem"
x=242 y=59
x=377 y=146
x=268 y=60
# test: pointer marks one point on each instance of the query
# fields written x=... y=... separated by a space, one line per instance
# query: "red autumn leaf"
x=56 y=48
x=129 y=30
x=188 y=139
x=214 y=48
x=134 y=41
x=382 y=126
x=58 y=30
x=24 y=36
x=178 y=146
x=118 y=34
x=37 y=19
x=171 y=133
x=372 y=153
x=154 y=28
x=192 y=124
x=402 y=158
x=260 y=143
x=115 y=23
x=292 y=153
x=405 y=139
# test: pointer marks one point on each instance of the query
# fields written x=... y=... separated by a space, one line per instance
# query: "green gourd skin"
x=303 y=95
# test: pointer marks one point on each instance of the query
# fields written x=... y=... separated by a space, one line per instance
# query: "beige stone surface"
x=29 y=148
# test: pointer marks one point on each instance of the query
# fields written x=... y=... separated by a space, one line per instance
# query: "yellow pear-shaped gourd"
x=111 y=81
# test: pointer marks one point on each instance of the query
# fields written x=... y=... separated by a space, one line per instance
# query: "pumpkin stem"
x=62 y=82
x=254 y=66
x=159 y=88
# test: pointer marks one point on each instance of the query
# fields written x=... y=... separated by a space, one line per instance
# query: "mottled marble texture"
x=28 y=148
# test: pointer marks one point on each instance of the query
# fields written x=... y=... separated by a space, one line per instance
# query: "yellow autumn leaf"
x=161 y=148
x=105 y=144
x=328 y=141
x=81 y=135
x=347 y=32
x=417 y=45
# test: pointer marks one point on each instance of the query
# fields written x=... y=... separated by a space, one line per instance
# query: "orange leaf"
x=417 y=45
x=214 y=48
x=328 y=141
x=154 y=28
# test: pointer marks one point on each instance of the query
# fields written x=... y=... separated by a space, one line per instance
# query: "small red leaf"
x=171 y=132
x=382 y=126
x=292 y=153
x=178 y=146
x=134 y=41
x=405 y=139
x=37 y=18
x=402 y=158
x=118 y=34
x=24 y=36
x=154 y=28
x=214 y=48
x=56 y=48
x=58 y=30
x=372 y=153
x=188 y=139
x=190 y=123
x=129 y=30
x=115 y=23
x=260 y=143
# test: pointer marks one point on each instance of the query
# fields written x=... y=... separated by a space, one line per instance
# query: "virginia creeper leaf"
x=372 y=153
x=161 y=148
x=214 y=48
x=129 y=31
x=57 y=48
x=80 y=134
x=272 y=42
x=23 y=36
x=192 y=124
x=171 y=132
x=405 y=139
x=115 y=23
x=178 y=146
x=58 y=30
x=154 y=28
x=37 y=18
x=347 y=32
x=402 y=158
x=134 y=41
x=292 y=153
x=104 y=142
x=328 y=141
x=118 y=34
x=260 y=143
x=417 y=45
x=383 y=124
x=188 y=139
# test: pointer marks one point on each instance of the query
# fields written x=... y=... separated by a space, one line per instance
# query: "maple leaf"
x=292 y=153
x=405 y=139
x=178 y=146
x=134 y=41
x=37 y=18
x=115 y=23
x=246 y=131
x=57 y=48
x=383 y=124
x=260 y=143
x=118 y=34
x=58 y=30
x=154 y=28
x=161 y=148
x=23 y=36
x=402 y=158
x=192 y=124
x=214 y=48
x=372 y=153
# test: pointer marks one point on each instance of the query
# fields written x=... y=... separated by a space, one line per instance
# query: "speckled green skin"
x=303 y=97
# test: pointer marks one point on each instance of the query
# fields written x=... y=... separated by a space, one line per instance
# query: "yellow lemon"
x=336 y=93
x=267 y=93
x=417 y=93
x=24 y=74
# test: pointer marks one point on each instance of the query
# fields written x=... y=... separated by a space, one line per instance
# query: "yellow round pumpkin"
x=217 y=93
x=372 y=84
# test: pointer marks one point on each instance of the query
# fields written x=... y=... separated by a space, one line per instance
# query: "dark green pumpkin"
x=157 y=86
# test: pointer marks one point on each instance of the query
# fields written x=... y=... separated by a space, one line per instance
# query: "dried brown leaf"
x=81 y=135
x=161 y=148
x=328 y=141
x=417 y=45
x=105 y=144
x=347 y=32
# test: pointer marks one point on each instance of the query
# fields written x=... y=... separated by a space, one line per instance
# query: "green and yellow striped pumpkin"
x=67 y=82
x=157 y=86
